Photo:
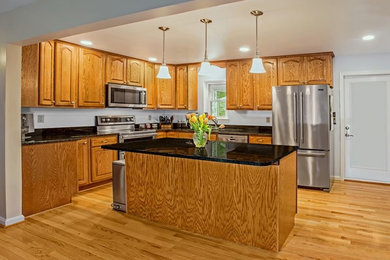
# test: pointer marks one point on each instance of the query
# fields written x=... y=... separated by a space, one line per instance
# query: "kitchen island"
x=244 y=193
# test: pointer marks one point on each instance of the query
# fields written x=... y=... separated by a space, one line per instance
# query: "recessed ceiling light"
x=152 y=59
x=244 y=49
x=368 y=37
x=86 y=43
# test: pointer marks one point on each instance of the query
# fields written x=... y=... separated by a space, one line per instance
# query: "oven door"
x=125 y=96
x=134 y=138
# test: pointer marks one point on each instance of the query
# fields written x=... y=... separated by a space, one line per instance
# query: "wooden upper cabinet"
x=318 y=69
x=151 y=99
x=263 y=84
x=246 y=95
x=66 y=74
x=116 y=69
x=291 y=70
x=46 y=74
x=181 y=87
x=135 y=72
x=233 y=80
x=91 y=78
x=83 y=161
x=192 y=74
x=30 y=75
x=166 y=91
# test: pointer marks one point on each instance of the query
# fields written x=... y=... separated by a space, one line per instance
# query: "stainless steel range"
x=124 y=126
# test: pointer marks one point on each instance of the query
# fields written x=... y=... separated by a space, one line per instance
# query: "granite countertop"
x=54 y=135
x=238 y=153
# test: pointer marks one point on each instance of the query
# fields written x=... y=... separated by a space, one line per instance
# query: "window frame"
x=210 y=97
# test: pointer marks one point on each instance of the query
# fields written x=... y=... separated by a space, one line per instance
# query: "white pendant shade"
x=163 y=73
x=257 y=66
x=204 y=68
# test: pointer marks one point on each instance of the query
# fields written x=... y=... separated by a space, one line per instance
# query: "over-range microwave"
x=125 y=96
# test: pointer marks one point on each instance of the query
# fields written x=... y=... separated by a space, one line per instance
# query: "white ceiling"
x=287 y=27
x=8 y=5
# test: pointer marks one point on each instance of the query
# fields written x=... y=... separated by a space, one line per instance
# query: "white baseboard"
x=10 y=221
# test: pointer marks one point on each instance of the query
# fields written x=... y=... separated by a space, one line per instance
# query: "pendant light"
x=163 y=73
x=257 y=62
x=205 y=66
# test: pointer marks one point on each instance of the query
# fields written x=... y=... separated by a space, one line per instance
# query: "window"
x=217 y=97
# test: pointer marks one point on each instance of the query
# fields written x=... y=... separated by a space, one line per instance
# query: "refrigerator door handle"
x=302 y=113
x=312 y=153
x=295 y=117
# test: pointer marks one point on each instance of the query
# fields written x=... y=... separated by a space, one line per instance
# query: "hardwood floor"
x=351 y=222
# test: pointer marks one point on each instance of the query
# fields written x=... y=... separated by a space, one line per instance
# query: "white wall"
x=353 y=63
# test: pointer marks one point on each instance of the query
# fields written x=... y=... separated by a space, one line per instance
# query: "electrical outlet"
x=149 y=117
x=41 y=119
x=268 y=119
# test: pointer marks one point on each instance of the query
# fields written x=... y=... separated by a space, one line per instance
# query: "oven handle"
x=137 y=136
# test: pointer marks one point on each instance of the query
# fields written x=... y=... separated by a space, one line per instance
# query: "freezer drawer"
x=119 y=185
x=314 y=169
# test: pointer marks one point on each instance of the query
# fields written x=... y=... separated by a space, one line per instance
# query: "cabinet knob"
x=85 y=143
x=260 y=140
x=72 y=102
x=105 y=141
x=258 y=107
x=54 y=101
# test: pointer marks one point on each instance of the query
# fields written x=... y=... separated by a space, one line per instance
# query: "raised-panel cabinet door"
x=246 y=97
x=150 y=86
x=83 y=161
x=263 y=84
x=66 y=74
x=91 y=78
x=232 y=84
x=46 y=74
x=192 y=87
x=181 y=87
x=101 y=160
x=116 y=69
x=166 y=95
x=318 y=69
x=291 y=71
x=135 y=72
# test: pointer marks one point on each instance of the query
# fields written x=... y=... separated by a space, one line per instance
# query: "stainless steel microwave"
x=125 y=96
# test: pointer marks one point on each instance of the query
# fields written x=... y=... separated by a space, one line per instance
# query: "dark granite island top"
x=250 y=154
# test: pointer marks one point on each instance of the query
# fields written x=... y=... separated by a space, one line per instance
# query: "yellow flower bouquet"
x=202 y=128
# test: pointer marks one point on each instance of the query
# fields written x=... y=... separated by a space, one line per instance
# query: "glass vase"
x=200 y=139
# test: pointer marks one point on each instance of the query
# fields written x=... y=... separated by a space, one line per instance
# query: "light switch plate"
x=41 y=119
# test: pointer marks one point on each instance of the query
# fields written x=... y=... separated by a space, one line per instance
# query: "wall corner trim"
x=11 y=221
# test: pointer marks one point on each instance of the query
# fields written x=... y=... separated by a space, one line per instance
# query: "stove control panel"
x=115 y=120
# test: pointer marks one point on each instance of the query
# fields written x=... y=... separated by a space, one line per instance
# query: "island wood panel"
x=46 y=73
x=288 y=206
x=30 y=72
x=49 y=176
x=65 y=74
x=235 y=202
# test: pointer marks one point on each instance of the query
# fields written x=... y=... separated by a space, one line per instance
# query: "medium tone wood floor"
x=352 y=222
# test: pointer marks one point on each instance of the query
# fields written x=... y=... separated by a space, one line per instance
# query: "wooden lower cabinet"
x=172 y=134
x=186 y=135
x=48 y=176
x=182 y=135
x=257 y=139
x=161 y=135
x=101 y=162
x=94 y=163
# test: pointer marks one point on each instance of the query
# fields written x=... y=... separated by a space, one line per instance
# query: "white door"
x=367 y=129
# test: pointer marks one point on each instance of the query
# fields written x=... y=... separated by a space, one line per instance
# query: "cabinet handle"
x=105 y=141
x=260 y=140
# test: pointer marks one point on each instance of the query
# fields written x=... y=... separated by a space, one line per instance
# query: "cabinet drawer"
x=161 y=135
x=172 y=134
x=185 y=135
x=213 y=137
x=257 y=139
x=104 y=140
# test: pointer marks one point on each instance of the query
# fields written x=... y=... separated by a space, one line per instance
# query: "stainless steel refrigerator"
x=302 y=116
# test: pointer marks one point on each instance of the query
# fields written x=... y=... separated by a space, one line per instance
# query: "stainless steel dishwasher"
x=233 y=138
x=119 y=185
